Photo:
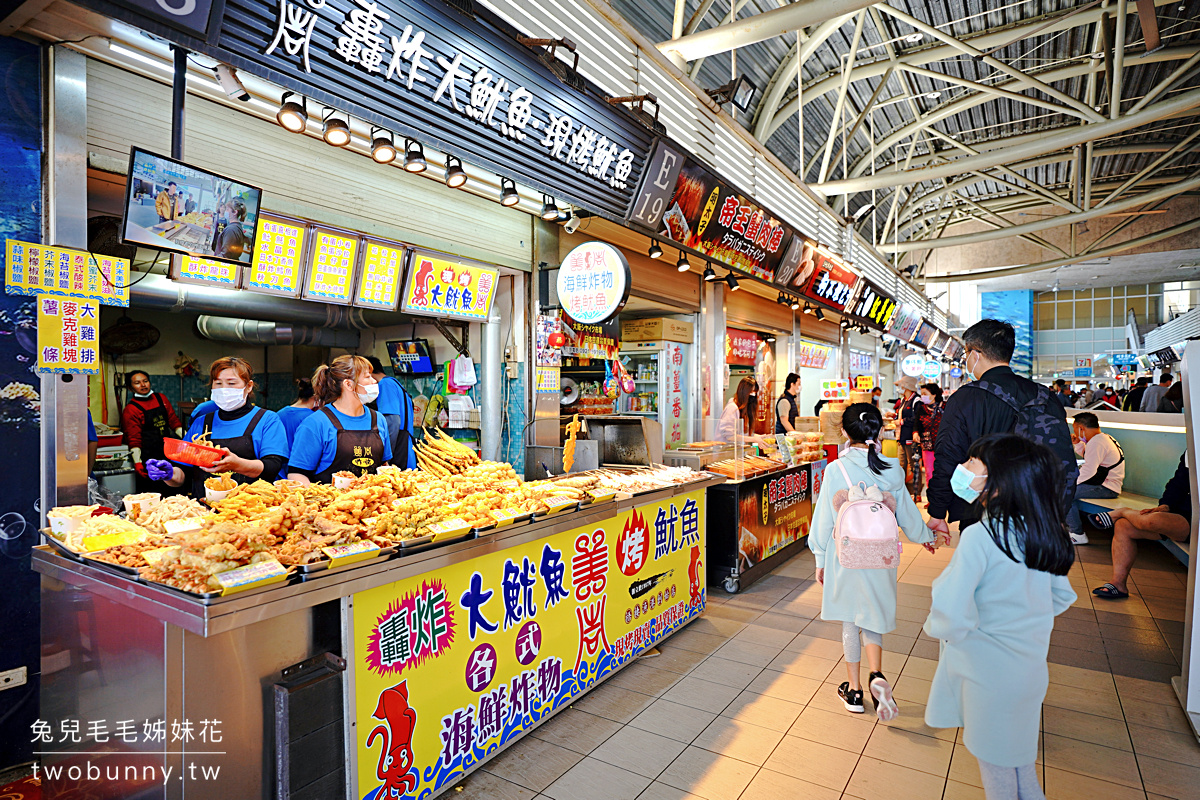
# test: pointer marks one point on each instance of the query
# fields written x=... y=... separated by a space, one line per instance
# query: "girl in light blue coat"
x=994 y=608
x=863 y=600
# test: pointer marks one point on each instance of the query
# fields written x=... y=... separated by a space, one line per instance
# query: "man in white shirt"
x=1103 y=470
x=1154 y=394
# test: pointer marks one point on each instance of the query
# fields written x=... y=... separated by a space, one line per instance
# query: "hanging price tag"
x=602 y=495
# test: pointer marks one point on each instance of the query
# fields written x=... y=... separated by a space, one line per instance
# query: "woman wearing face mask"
x=993 y=610
x=146 y=420
x=254 y=440
x=737 y=419
x=929 y=418
x=344 y=435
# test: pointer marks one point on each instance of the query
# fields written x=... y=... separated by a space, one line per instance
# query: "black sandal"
x=1109 y=592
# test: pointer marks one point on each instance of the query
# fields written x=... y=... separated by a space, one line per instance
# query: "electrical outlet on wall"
x=510 y=370
x=12 y=678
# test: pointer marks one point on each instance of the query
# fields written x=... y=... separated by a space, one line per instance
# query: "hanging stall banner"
x=590 y=341
x=933 y=370
x=451 y=666
x=380 y=275
x=741 y=348
x=704 y=213
x=440 y=286
x=953 y=349
x=331 y=260
x=205 y=271
x=872 y=306
x=905 y=322
x=593 y=282
x=67 y=335
x=62 y=272
x=278 y=265
x=829 y=281
x=861 y=362
x=925 y=335
x=673 y=406
x=548 y=328
x=812 y=355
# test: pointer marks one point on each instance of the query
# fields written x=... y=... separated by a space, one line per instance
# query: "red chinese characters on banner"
x=812 y=355
x=741 y=347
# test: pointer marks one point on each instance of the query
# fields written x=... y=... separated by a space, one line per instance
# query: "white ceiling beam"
x=786 y=72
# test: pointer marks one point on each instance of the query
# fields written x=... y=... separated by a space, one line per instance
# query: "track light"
x=795 y=303
x=709 y=274
x=732 y=280
x=414 y=156
x=819 y=314
x=655 y=251
x=335 y=130
x=231 y=83
x=809 y=309
x=845 y=323
x=508 y=193
x=455 y=177
x=682 y=264
x=383 y=149
x=549 y=209
x=292 y=116
x=781 y=300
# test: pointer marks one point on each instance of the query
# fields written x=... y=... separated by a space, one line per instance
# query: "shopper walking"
x=910 y=450
x=863 y=600
x=1172 y=401
x=929 y=420
x=1154 y=394
x=1133 y=400
x=993 y=610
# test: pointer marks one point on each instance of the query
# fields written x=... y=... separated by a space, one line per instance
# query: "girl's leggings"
x=1010 y=783
x=850 y=643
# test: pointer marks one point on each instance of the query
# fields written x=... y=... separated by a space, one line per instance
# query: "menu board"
x=331 y=259
x=925 y=334
x=905 y=322
x=62 y=272
x=67 y=336
x=381 y=275
x=205 y=271
x=278 y=256
x=812 y=355
x=830 y=282
x=441 y=287
x=861 y=362
x=741 y=347
x=873 y=306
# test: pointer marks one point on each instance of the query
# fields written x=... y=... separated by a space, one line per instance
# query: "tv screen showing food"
x=410 y=357
x=172 y=206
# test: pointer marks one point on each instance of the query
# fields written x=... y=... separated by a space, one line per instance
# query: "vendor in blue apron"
x=254 y=438
x=343 y=435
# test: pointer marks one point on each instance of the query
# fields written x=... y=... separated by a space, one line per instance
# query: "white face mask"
x=143 y=395
x=970 y=369
x=369 y=392
x=229 y=399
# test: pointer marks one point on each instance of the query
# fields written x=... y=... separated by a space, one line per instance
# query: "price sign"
x=67 y=340
x=449 y=528
x=205 y=271
x=264 y=573
x=558 y=504
x=864 y=383
x=59 y=271
x=331 y=260
x=278 y=256
x=380 y=276
x=343 y=554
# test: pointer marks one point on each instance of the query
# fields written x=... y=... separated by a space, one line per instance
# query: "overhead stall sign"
x=830 y=282
x=32 y=268
x=278 y=265
x=461 y=83
x=442 y=287
x=905 y=322
x=873 y=306
x=593 y=282
x=381 y=275
x=331 y=260
x=67 y=335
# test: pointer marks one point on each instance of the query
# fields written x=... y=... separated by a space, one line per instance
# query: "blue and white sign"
x=1083 y=372
x=932 y=369
x=1123 y=359
x=956 y=372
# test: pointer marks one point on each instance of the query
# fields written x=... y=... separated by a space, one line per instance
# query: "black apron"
x=1102 y=472
x=792 y=413
x=155 y=427
x=360 y=452
x=241 y=446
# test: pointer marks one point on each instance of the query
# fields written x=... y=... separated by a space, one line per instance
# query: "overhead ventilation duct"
x=264 y=334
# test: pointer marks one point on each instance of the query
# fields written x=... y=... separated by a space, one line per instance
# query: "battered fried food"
x=573 y=428
x=220 y=483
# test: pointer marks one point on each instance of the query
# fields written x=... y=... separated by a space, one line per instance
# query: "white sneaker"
x=1079 y=538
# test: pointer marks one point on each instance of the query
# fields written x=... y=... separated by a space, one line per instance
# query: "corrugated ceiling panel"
x=735 y=159
x=678 y=110
x=776 y=193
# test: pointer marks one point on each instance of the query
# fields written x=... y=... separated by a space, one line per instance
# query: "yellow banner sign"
x=331 y=261
x=278 y=250
x=382 y=271
x=63 y=272
x=453 y=665
x=205 y=270
x=68 y=335
x=443 y=288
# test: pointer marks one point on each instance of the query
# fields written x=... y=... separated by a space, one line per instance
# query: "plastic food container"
x=342 y=483
x=197 y=455
x=213 y=496
x=138 y=504
x=111 y=440
x=61 y=526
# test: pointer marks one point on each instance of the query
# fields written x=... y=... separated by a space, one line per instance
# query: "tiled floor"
x=742 y=705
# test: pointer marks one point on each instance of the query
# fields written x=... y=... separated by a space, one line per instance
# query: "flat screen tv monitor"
x=172 y=206
x=411 y=357
x=925 y=334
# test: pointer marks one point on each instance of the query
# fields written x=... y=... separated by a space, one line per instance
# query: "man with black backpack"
x=998 y=401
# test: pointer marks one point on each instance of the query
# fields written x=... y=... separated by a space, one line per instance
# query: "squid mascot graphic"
x=694 y=577
x=421 y=284
x=396 y=758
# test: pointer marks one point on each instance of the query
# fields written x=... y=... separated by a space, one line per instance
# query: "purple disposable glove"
x=158 y=469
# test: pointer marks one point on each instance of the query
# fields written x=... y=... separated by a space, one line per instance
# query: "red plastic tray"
x=198 y=455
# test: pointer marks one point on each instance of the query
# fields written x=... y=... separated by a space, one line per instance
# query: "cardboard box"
x=656 y=330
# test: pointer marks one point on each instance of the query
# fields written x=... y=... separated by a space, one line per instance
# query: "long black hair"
x=862 y=422
x=1021 y=495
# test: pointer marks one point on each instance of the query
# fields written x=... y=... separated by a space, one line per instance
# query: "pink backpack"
x=866 y=530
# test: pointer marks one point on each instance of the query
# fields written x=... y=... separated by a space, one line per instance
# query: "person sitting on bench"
x=1102 y=474
x=1171 y=519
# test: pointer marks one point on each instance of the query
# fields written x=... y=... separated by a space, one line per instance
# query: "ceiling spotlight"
x=809 y=309
x=932 y=95
x=508 y=193
x=292 y=116
x=770 y=338
x=709 y=274
x=682 y=264
x=231 y=83
x=820 y=315
x=414 y=156
x=913 y=38
x=738 y=91
x=549 y=209
x=795 y=303
x=335 y=131
x=845 y=323
x=655 y=251
x=455 y=177
x=863 y=211
x=732 y=280
x=383 y=149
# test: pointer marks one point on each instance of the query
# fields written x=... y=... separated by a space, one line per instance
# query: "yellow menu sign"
x=205 y=271
x=60 y=271
x=379 y=279
x=278 y=256
x=67 y=335
x=443 y=288
x=331 y=260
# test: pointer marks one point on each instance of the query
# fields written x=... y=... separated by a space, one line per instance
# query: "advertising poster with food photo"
x=774 y=511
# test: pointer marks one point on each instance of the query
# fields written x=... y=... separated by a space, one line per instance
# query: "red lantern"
x=557 y=339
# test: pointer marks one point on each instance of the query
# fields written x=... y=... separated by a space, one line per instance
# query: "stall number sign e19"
x=593 y=282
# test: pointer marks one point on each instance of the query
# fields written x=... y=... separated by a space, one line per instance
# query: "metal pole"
x=491 y=416
x=178 y=93
x=1114 y=103
x=847 y=69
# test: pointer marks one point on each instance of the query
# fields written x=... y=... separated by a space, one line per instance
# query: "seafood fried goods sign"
x=453 y=665
x=593 y=282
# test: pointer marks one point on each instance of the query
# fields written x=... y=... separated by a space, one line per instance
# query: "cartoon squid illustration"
x=694 y=577
x=396 y=758
x=421 y=284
